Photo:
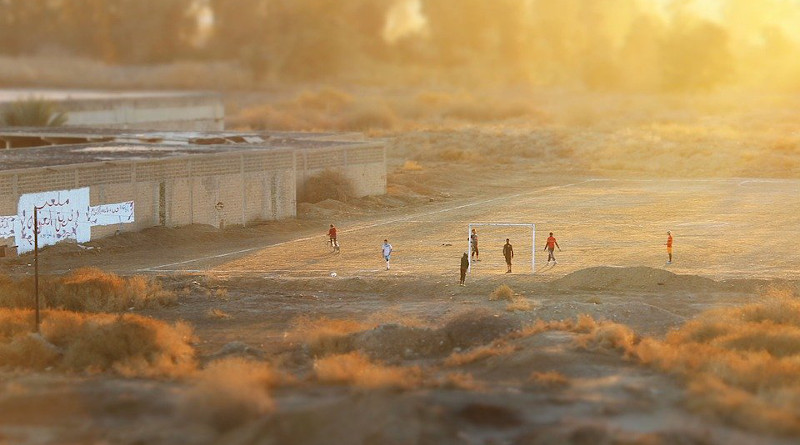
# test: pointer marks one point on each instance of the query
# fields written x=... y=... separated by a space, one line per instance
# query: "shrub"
x=87 y=290
x=519 y=304
x=33 y=113
x=411 y=166
x=128 y=344
x=503 y=292
x=218 y=314
x=551 y=379
x=328 y=184
x=498 y=347
x=356 y=369
x=230 y=393
x=324 y=335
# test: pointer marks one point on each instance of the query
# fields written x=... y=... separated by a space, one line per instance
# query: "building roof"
x=38 y=136
x=56 y=95
x=63 y=155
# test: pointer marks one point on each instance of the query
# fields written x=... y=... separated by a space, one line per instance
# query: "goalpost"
x=533 y=240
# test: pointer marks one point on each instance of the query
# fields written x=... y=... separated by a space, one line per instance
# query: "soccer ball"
x=333 y=274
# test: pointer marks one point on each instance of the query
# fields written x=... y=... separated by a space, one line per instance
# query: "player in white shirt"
x=386 y=249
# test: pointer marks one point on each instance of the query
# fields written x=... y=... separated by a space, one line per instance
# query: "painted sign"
x=107 y=214
x=7 y=225
x=61 y=215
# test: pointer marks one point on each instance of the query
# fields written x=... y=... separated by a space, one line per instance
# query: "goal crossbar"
x=533 y=240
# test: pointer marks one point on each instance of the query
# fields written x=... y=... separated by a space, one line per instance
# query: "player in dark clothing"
x=464 y=267
x=508 y=252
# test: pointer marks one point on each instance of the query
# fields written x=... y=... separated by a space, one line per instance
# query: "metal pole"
x=469 y=247
x=36 y=261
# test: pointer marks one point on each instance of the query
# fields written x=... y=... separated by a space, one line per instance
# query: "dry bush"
x=326 y=99
x=127 y=344
x=519 y=304
x=328 y=184
x=325 y=335
x=479 y=111
x=497 y=348
x=741 y=363
x=454 y=154
x=87 y=289
x=14 y=322
x=460 y=380
x=28 y=351
x=503 y=292
x=551 y=379
x=268 y=117
x=411 y=166
x=357 y=370
x=581 y=325
x=608 y=336
x=218 y=314
x=367 y=116
x=16 y=293
x=231 y=392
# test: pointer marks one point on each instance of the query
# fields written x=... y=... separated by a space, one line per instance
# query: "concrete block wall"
x=251 y=186
x=364 y=165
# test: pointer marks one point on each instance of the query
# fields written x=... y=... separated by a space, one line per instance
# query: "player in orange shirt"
x=669 y=246
x=551 y=244
x=332 y=238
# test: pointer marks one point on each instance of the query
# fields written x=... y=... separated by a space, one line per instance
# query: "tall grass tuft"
x=87 y=290
x=129 y=345
x=33 y=113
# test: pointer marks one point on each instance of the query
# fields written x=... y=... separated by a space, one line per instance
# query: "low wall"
x=364 y=165
x=229 y=188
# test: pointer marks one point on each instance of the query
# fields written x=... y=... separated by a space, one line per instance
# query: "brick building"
x=116 y=181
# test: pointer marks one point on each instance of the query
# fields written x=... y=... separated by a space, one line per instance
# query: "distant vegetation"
x=32 y=113
x=611 y=45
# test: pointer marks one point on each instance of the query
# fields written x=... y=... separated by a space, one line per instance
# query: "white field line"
x=367 y=226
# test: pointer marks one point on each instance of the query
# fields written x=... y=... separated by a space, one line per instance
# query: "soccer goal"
x=486 y=244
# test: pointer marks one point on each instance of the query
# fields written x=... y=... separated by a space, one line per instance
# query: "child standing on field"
x=386 y=250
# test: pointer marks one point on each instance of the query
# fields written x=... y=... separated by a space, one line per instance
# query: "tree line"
x=596 y=44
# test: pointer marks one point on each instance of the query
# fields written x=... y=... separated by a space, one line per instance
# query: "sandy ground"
x=730 y=244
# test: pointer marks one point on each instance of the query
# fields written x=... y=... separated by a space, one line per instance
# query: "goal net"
x=491 y=239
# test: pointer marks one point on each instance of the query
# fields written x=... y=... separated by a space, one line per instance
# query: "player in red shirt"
x=669 y=246
x=551 y=244
x=332 y=236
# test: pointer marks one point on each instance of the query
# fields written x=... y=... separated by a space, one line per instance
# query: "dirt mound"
x=478 y=327
x=635 y=278
x=397 y=342
x=393 y=342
